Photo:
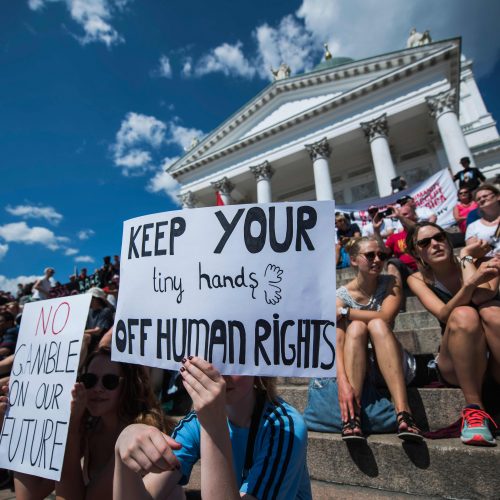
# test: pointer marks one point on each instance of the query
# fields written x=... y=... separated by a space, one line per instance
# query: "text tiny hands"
x=272 y=276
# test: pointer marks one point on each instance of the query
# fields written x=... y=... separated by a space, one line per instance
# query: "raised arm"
x=207 y=388
x=463 y=297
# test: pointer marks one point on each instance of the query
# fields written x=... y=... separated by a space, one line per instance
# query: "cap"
x=97 y=292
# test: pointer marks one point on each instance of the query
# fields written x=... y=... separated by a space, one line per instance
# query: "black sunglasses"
x=110 y=381
x=371 y=255
x=425 y=242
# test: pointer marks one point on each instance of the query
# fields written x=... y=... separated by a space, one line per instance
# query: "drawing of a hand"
x=272 y=276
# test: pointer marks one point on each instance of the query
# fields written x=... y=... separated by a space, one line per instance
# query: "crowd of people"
x=122 y=443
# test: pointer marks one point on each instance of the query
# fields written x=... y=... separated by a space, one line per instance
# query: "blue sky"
x=98 y=96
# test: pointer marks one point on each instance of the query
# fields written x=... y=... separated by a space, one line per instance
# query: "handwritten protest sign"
x=250 y=288
x=35 y=427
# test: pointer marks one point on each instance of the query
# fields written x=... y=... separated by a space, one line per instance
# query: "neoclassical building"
x=345 y=129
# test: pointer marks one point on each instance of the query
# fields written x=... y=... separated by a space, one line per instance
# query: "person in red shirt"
x=402 y=264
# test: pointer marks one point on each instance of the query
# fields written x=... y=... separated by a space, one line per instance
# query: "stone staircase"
x=438 y=468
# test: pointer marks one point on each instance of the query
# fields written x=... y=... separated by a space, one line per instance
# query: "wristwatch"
x=344 y=312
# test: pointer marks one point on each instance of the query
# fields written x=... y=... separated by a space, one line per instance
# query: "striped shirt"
x=279 y=469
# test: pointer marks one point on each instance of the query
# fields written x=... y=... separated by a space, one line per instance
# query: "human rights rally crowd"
x=125 y=437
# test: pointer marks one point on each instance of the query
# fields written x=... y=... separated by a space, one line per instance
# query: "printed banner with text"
x=35 y=427
x=250 y=288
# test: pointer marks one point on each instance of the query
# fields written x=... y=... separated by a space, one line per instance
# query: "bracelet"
x=466 y=258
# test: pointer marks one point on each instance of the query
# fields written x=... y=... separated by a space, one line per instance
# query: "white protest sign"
x=35 y=427
x=250 y=288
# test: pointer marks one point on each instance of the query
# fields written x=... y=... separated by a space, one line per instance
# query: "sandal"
x=351 y=430
x=411 y=432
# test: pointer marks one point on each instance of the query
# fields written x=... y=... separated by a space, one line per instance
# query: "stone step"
x=432 y=408
x=415 y=320
x=443 y=468
x=321 y=490
x=420 y=340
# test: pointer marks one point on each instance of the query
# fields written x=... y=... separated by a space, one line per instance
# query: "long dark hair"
x=137 y=404
x=413 y=250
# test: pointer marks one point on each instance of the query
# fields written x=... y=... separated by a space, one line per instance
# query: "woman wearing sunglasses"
x=366 y=309
x=251 y=444
x=463 y=296
x=108 y=397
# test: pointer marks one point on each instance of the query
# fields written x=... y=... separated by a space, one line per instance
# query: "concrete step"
x=432 y=408
x=443 y=468
x=321 y=490
x=420 y=340
x=415 y=320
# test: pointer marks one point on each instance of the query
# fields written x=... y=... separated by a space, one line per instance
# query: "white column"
x=188 y=199
x=224 y=187
x=442 y=107
x=376 y=132
x=263 y=174
x=319 y=153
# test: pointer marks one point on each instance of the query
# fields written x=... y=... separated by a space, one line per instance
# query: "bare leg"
x=355 y=356
x=32 y=487
x=490 y=319
x=462 y=358
x=388 y=352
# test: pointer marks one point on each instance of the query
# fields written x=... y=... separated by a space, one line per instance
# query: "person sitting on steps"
x=366 y=309
x=463 y=295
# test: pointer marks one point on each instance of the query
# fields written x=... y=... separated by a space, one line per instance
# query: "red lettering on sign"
x=55 y=323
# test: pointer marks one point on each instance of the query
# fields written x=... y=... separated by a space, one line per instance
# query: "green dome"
x=332 y=63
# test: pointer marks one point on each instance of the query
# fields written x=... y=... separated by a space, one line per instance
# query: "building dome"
x=332 y=63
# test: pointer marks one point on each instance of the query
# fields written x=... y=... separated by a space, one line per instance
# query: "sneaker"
x=475 y=427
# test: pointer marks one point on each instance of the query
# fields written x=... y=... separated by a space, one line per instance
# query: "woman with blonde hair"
x=366 y=309
x=463 y=295
x=251 y=443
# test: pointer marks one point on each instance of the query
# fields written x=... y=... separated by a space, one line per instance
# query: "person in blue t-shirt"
x=253 y=444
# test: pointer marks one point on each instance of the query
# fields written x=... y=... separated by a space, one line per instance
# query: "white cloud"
x=227 y=59
x=187 y=67
x=36 y=212
x=290 y=42
x=385 y=24
x=163 y=182
x=20 y=232
x=10 y=284
x=70 y=251
x=94 y=17
x=165 y=68
x=357 y=29
x=136 y=159
x=84 y=258
x=85 y=234
x=138 y=145
x=3 y=250
x=137 y=130
x=183 y=136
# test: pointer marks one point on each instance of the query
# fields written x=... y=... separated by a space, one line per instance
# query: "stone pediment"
x=287 y=102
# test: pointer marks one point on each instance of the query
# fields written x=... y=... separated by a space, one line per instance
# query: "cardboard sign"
x=35 y=427
x=250 y=288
